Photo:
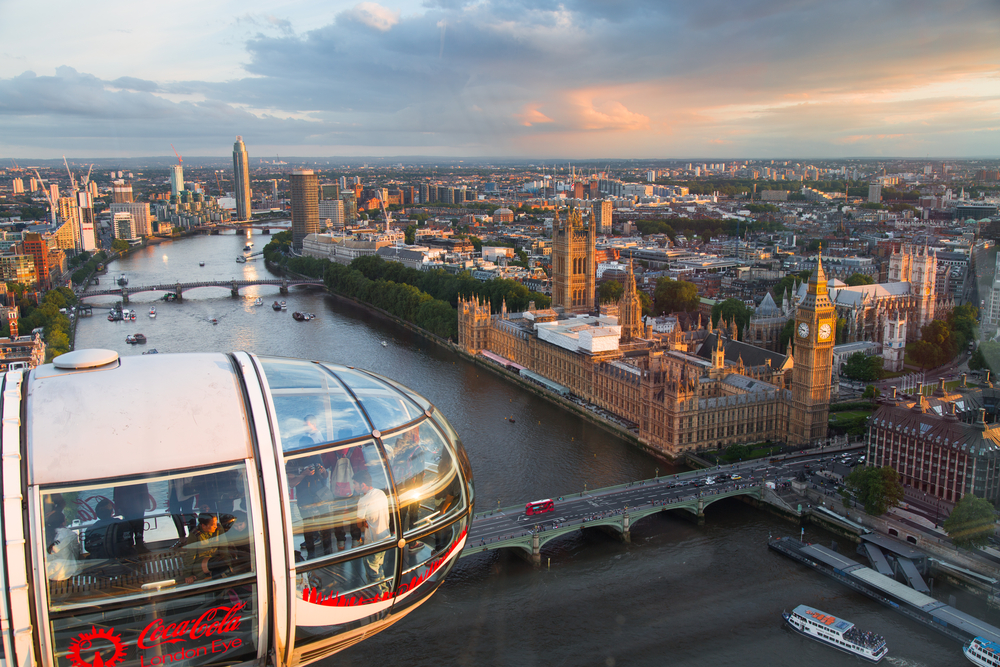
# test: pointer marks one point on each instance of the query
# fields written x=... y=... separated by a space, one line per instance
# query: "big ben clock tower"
x=815 y=330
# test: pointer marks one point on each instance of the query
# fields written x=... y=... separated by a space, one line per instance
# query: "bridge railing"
x=675 y=477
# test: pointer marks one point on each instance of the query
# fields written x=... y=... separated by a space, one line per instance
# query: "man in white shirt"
x=373 y=515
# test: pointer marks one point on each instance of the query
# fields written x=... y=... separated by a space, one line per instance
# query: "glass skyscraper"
x=241 y=179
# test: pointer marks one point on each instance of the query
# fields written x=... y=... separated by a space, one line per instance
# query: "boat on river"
x=258 y=301
x=303 y=317
x=135 y=339
x=981 y=651
x=152 y=311
x=241 y=260
x=284 y=306
x=201 y=263
x=276 y=305
x=836 y=632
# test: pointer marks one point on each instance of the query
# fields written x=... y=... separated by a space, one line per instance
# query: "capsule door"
x=152 y=570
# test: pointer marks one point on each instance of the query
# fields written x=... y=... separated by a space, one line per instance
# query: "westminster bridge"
x=234 y=287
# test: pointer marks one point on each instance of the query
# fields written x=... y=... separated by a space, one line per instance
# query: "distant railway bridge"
x=234 y=287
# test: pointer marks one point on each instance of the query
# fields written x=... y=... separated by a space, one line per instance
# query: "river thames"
x=679 y=594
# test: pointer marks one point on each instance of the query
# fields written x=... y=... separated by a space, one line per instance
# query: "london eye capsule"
x=218 y=509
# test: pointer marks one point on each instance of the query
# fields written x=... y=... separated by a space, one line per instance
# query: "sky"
x=504 y=78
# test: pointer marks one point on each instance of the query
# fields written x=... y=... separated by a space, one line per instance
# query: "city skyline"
x=767 y=79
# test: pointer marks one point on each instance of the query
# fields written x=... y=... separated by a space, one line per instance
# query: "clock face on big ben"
x=824 y=331
x=803 y=330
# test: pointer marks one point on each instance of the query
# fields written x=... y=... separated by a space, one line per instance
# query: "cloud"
x=569 y=77
x=372 y=15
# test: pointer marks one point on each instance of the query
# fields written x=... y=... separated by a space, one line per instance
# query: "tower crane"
x=180 y=160
x=48 y=197
x=86 y=179
x=385 y=213
x=219 y=183
x=72 y=178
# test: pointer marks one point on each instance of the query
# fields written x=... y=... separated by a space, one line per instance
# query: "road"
x=579 y=509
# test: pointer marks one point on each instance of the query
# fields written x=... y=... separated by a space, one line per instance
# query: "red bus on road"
x=538 y=507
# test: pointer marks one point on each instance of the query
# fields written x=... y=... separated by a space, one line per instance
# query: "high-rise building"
x=121 y=226
x=33 y=185
x=602 y=213
x=874 y=193
x=573 y=263
x=92 y=188
x=425 y=190
x=140 y=216
x=331 y=210
x=85 y=207
x=176 y=180
x=329 y=191
x=241 y=179
x=68 y=233
x=54 y=191
x=815 y=325
x=343 y=182
x=305 y=205
x=38 y=249
x=17 y=185
x=121 y=192
x=350 y=207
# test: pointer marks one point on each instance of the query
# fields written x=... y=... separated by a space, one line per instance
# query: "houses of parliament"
x=680 y=391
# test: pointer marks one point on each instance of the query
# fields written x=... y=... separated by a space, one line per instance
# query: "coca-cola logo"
x=216 y=621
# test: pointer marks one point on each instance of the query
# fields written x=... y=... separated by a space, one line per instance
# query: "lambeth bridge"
x=234 y=287
x=613 y=509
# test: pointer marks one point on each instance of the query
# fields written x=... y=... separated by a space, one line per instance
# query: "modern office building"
x=331 y=210
x=329 y=191
x=241 y=180
x=17 y=185
x=305 y=205
x=176 y=180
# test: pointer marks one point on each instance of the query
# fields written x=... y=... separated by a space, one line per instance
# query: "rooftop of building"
x=735 y=350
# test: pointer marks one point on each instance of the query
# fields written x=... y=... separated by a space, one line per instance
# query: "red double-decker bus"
x=538 y=507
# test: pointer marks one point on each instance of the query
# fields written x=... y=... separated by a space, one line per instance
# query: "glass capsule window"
x=379 y=490
x=126 y=561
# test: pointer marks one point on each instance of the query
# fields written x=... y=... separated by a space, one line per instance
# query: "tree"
x=863 y=367
x=871 y=393
x=673 y=296
x=119 y=245
x=971 y=523
x=729 y=310
x=610 y=291
x=878 y=489
x=814 y=245
x=856 y=279
x=787 y=332
x=977 y=361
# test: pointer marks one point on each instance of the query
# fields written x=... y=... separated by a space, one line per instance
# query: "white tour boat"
x=152 y=311
x=836 y=632
x=983 y=652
